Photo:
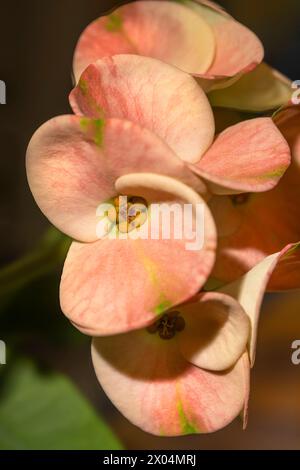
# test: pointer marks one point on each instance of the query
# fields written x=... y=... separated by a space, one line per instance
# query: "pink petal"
x=250 y=289
x=164 y=30
x=250 y=156
x=73 y=164
x=264 y=223
x=157 y=188
x=151 y=384
x=238 y=50
x=216 y=331
x=152 y=94
x=116 y=285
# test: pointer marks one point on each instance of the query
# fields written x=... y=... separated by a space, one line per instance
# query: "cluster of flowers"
x=162 y=90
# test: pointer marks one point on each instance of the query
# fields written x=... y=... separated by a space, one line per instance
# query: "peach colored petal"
x=154 y=187
x=251 y=156
x=264 y=223
x=238 y=50
x=245 y=411
x=250 y=289
x=262 y=89
x=73 y=164
x=152 y=94
x=198 y=37
x=115 y=285
x=216 y=331
x=164 y=30
x=151 y=384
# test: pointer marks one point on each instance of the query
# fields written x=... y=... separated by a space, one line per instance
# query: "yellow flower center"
x=128 y=213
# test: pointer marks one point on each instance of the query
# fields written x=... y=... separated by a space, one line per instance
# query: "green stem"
x=44 y=259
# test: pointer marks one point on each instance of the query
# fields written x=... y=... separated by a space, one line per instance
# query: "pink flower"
x=141 y=119
x=196 y=36
x=145 y=129
x=179 y=385
x=196 y=378
x=76 y=163
x=252 y=226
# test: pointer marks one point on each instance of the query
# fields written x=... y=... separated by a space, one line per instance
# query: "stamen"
x=168 y=325
x=130 y=213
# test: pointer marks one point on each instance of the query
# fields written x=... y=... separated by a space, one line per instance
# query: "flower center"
x=128 y=213
x=240 y=199
x=168 y=325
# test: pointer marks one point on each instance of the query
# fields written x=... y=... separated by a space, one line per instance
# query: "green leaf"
x=44 y=411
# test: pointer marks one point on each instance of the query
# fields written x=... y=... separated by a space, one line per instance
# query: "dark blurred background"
x=37 y=42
